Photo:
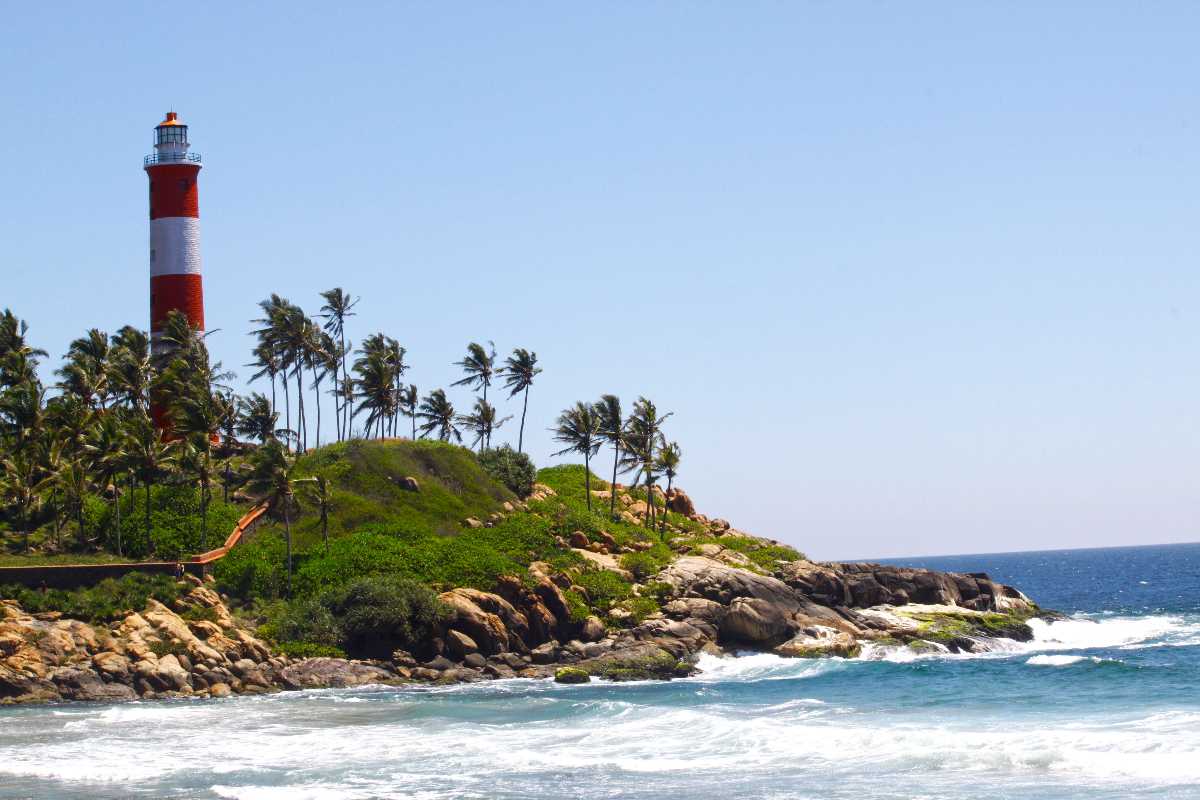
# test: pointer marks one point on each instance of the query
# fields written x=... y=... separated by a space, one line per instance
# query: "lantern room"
x=171 y=142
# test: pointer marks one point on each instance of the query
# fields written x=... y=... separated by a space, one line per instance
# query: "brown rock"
x=471 y=522
x=579 y=539
x=487 y=630
x=592 y=630
x=460 y=645
x=680 y=503
x=317 y=673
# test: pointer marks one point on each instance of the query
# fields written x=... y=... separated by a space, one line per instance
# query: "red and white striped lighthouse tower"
x=175 y=283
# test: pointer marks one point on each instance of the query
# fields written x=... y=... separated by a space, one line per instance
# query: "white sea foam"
x=759 y=667
x=1059 y=660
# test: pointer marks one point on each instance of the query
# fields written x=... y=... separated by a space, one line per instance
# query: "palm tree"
x=21 y=484
x=643 y=430
x=375 y=391
x=85 y=373
x=18 y=361
x=256 y=418
x=338 y=307
x=479 y=366
x=407 y=401
x=130 y=370
x=438 y=414
x=325 y=359
x=271 y=479
x=612 y=430
x=579 y=428
x=667 y=463
x=482 y=421
x=319 y=490
x=150 y=454
x=267 y=362
x=109 y=451
x=519 y=370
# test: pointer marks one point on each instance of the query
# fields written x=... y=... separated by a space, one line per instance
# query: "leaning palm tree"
x=479 y=366
x=437 y=413
x=612 y=430
x=519 y=370
x=482 y=422
x=338 y=307
x=407 y=400
x=271 y=479
x=643 y=431
x=667 y=462
x=579 y=428
x=324 y=363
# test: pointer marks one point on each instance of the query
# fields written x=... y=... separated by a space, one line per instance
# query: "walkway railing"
x=69 y=576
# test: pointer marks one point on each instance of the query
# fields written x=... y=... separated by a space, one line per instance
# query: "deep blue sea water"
x=1105 y=704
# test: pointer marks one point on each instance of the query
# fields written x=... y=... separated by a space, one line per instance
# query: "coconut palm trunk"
x=149 y=535
x=524 y=408
x=587 y=478
x=287 y=527
x=612 y=487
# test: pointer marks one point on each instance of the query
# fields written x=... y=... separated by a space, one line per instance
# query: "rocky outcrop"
x=714 y=600
x=194 y=649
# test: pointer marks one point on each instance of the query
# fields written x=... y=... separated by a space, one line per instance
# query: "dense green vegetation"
x=109 y=600
x=133 y=454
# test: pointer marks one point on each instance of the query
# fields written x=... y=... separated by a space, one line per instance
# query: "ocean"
x=1105 y=704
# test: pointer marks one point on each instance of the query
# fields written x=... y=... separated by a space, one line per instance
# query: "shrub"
x=379 y=614
x=648 y=563
x=309 y=650
x=302 y=621
x=254 y=569
x=514 y=470
x=604 y=588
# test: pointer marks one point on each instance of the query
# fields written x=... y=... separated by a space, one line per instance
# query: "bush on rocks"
x=378 y=615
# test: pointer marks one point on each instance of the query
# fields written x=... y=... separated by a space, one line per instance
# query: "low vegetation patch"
x=109 y=600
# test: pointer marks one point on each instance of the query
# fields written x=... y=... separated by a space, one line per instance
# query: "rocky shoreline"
x=523 y=629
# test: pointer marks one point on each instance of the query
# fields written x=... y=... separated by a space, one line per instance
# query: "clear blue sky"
x=915 y=278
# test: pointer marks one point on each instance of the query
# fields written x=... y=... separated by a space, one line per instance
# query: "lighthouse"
x=175 y=283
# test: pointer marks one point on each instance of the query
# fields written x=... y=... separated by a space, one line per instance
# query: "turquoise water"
x=1103 y=705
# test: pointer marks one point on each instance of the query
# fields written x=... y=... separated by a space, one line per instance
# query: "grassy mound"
x=368 y=488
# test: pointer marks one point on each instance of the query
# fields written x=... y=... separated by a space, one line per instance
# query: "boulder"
x=219 y=690
x=579 y=539
x=755 y=622
x=320 y=673
x=113 y=666
x=592 y=629
x=471 y=522
x=84 y=684
x=816 y=641
x=170 y=673
x=409 y=484
x=459 y=644
x=486 y=629
x=680 y=503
